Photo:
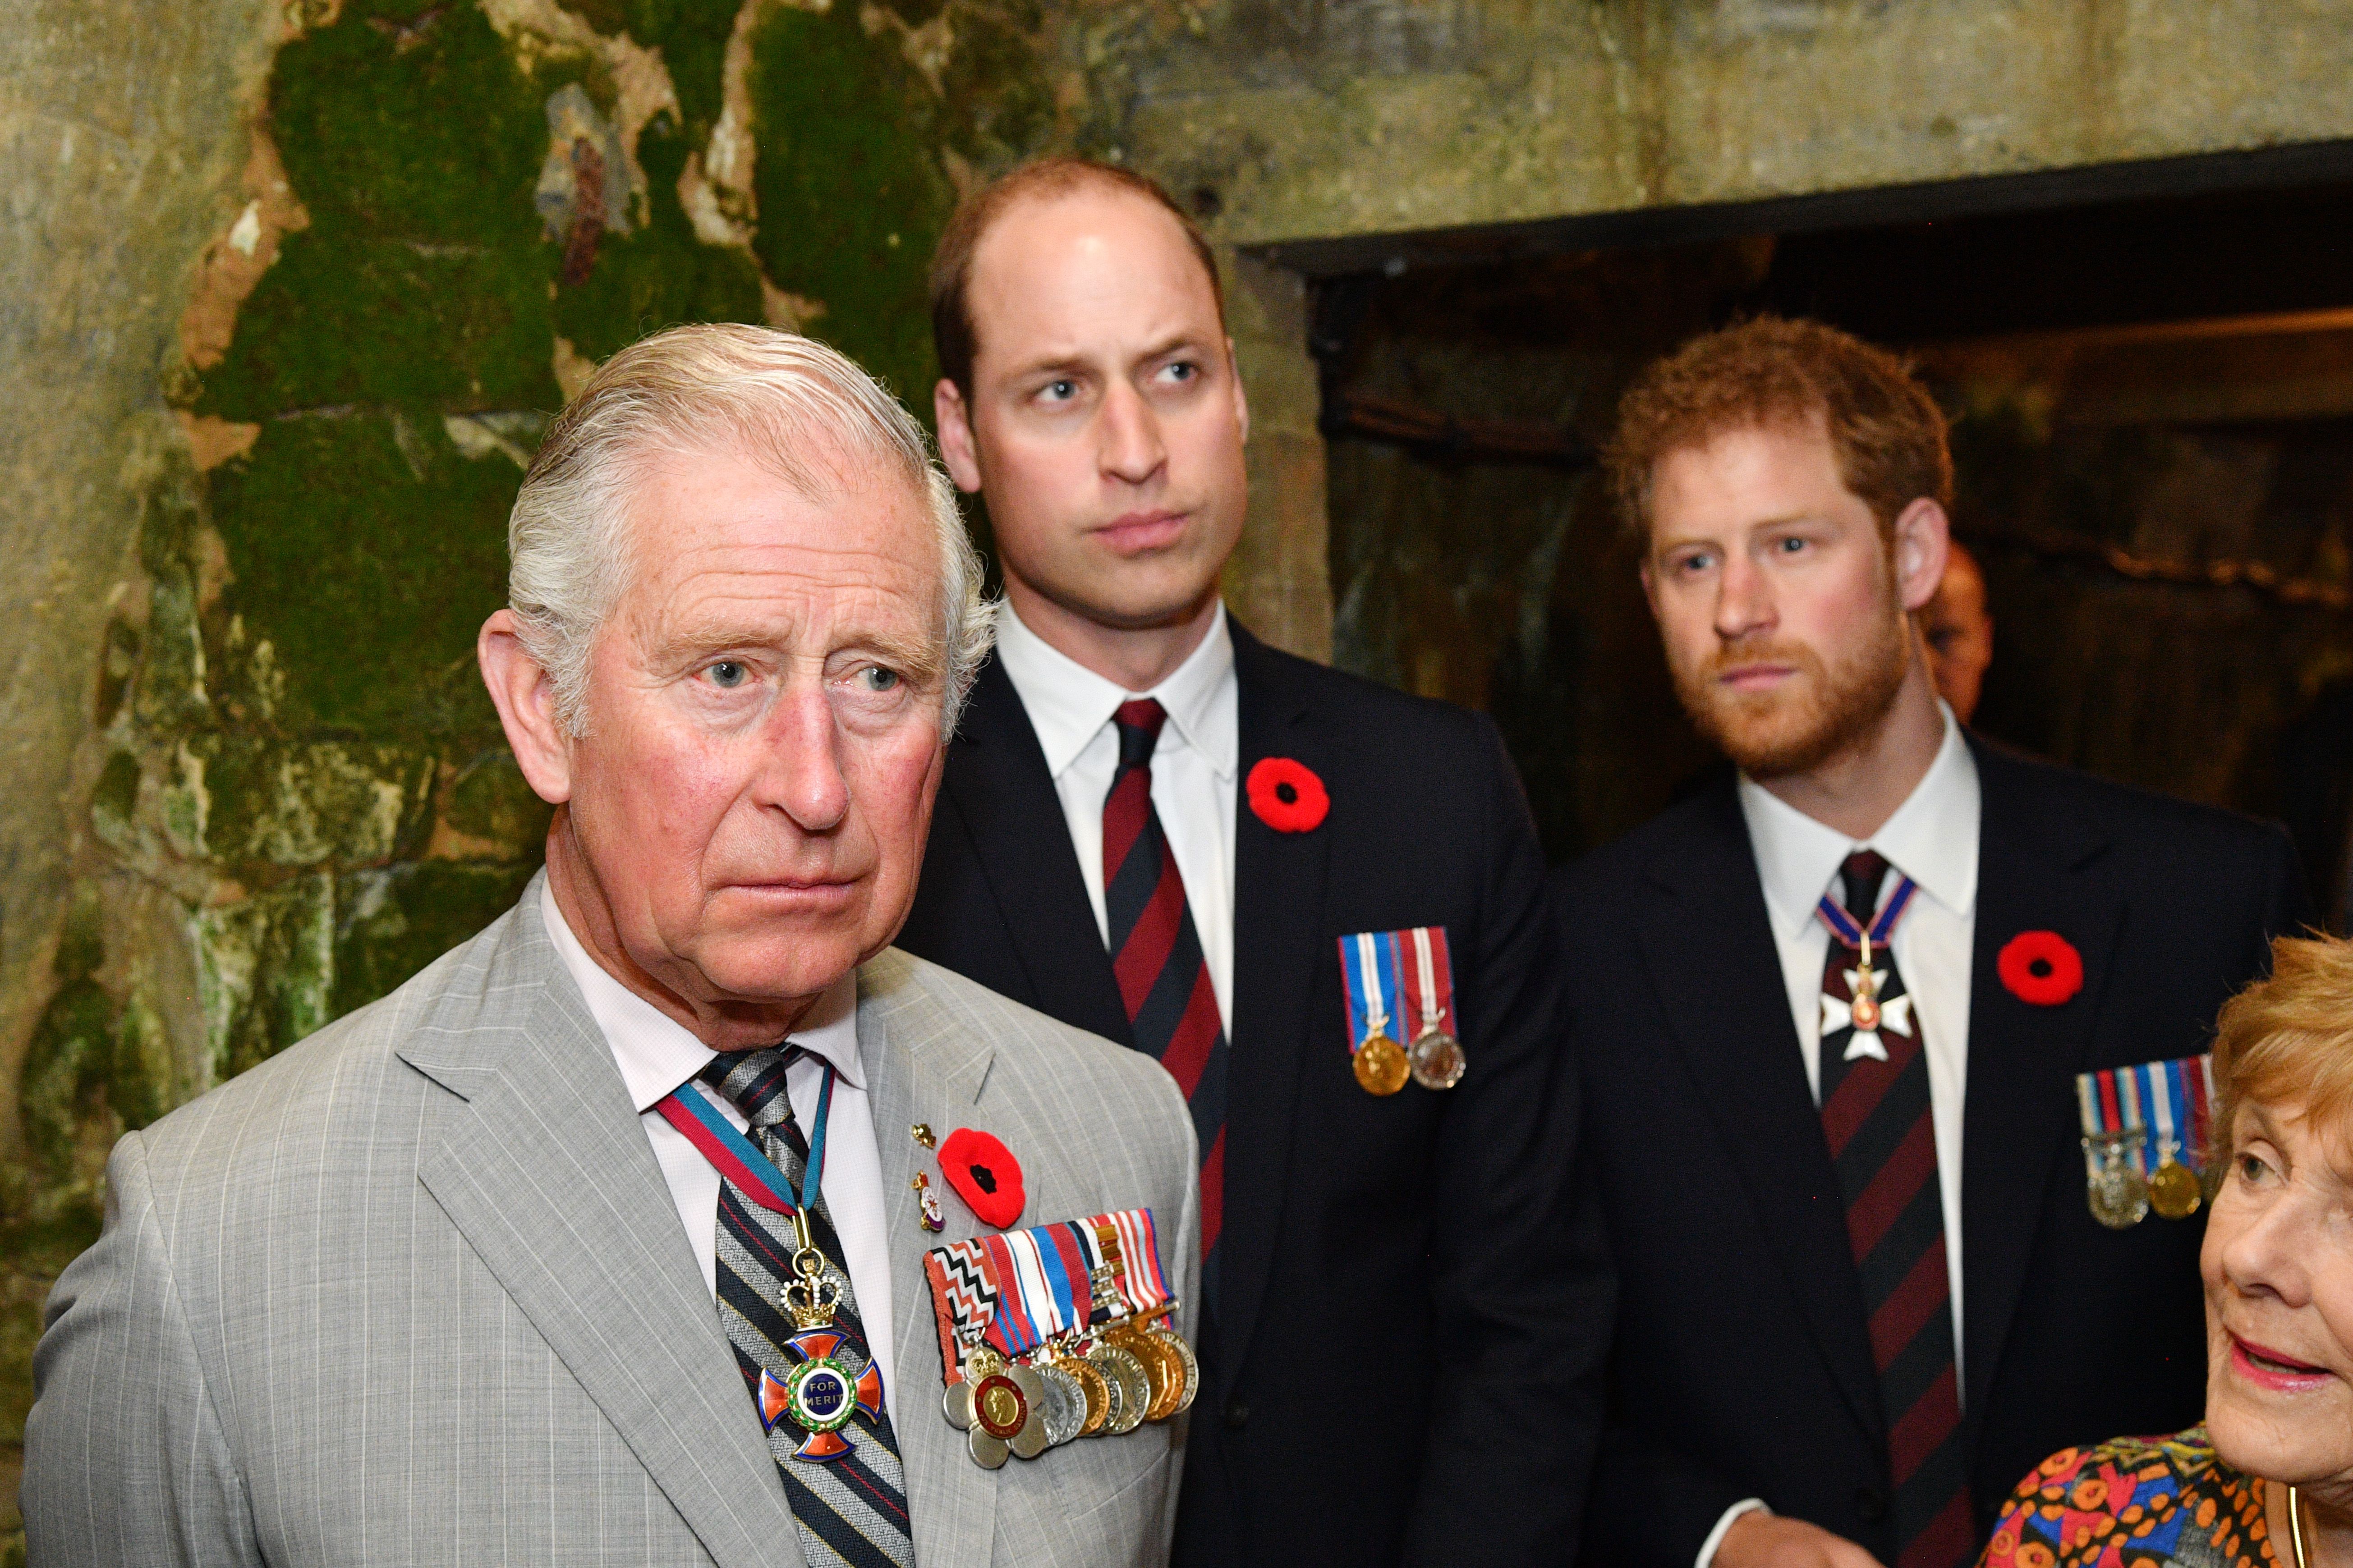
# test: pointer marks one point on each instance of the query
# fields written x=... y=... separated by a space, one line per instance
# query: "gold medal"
x=1438 y=1059
x=2173 y=1190
x=1161 y=1369
x=1190 y=1364
x=1097 y=1390
x=1380 y=1064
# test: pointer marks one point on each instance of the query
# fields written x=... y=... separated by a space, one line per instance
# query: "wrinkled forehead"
x=833 y=543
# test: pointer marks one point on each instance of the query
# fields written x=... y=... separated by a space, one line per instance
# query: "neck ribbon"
x=693 y=1110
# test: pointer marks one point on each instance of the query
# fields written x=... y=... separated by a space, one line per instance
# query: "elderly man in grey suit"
x=532 y=1260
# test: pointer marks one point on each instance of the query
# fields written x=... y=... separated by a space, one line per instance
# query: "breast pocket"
x=1098 y=1500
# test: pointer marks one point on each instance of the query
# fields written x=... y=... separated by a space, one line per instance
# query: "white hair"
x=793 y=404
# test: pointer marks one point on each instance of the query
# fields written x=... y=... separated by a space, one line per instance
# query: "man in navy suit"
x=1831 y=1012
x=1155 y=827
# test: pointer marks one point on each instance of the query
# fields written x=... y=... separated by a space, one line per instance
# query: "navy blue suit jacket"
x=1743 y=1364
x=1403 y=1364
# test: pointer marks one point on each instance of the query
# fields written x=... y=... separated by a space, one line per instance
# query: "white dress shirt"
x=655 y=1055
x=1193 y=767
x=1933 y=839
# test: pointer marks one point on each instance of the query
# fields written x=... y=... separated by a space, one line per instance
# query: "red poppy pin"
x=1286 y=796
x=2040 y=968
x=984 y=1175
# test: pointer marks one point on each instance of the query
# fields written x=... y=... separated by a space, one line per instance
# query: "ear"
x=958 y=450
x=1924 y=536
x=1242 y=398
x=526 y=703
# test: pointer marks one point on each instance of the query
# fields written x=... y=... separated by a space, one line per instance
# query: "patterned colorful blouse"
x=2136 y=1502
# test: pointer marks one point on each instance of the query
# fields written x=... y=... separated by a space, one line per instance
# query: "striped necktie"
x=1156 y=953
x=851 y=1510
x=1882 y=1138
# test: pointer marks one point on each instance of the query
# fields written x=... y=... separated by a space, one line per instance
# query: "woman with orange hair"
x=2267 y=1482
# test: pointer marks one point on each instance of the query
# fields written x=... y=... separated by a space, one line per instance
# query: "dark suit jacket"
x=1405 y=1354
x=1743 y=1366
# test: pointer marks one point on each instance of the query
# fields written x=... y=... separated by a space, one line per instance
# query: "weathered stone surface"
x=1320 y=117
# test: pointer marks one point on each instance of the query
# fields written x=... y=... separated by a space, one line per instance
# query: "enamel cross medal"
x=1864 y=1010
x=820 y=1393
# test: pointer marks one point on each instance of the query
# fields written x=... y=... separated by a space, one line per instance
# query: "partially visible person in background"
x=2268 y=1479
x=1960 y=632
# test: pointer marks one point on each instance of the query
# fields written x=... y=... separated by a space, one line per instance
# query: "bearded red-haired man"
x=1851 y=1316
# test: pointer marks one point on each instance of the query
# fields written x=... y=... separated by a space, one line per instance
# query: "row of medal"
x=1411 y=972
x=1058 y=1333
x=2126 y=1112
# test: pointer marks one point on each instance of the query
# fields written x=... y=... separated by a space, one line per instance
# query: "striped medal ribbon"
x=2147 y=1128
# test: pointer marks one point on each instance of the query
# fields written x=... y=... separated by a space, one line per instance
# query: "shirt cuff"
x=1716 y=1537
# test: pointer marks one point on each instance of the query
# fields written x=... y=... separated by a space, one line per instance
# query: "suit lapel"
x=1278 y=932
x=934 y=1080
x=1009 y=811
x=1708 y=947
x=544 y=1168
x=2033 y=874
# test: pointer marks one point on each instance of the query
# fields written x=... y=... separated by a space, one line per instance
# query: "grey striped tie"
x=851 y=1510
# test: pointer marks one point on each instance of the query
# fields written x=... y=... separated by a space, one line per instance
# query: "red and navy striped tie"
x=1882 y=1138
x=1163 y=980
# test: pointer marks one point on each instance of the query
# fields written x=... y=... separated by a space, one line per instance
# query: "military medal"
x=1864 y=1012
x=1437 y=1054
x=2146 y=1132
x=2115 y=1191
x=1368 y=965
x=931 y=1218
x=1001 y=1407
x=1056 y=1333
x=824 y=1385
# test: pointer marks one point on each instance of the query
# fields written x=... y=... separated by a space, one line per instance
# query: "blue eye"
x=880 y=680
x=728 y=674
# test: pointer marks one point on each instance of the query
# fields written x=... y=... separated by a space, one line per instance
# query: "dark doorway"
x=2152 y=396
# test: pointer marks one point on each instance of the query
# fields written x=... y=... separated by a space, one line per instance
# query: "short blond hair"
x=788 y=402
x=2289 y=1039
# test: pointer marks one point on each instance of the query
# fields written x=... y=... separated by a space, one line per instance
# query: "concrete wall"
x=1309 y=119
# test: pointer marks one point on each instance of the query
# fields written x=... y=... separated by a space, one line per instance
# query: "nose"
x=803 y=777
x=2265 y=1256
x=1744 y=600
x=1132 y=448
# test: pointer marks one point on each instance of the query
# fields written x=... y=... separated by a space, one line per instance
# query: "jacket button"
x=1237 y=1415
x=1869 y=1506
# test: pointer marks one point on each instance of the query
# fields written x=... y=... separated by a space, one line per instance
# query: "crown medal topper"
x=824 y=1388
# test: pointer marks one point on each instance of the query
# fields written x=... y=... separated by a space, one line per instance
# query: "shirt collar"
x=1069 y=704
x=656 y=1053
x=1931 y=838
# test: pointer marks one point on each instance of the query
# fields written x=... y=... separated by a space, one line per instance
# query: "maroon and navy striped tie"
x=1163 y=980
x=1882 y=1138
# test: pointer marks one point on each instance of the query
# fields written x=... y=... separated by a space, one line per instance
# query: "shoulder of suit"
x=2048 y=794
x=351 y=1062
x=1603 y=872
x=930 y=1008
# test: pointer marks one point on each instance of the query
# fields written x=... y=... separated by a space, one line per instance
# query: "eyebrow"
x=923 y=659
x=1064 y=362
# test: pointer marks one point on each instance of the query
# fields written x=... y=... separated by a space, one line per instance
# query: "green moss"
x=851 y=197
x=265 y=971
x=661 y=274
x=434 y=136
x=492 y=800
x=369 y=574
x=996 y=104
x=692 y=37
x=401 y=918
x=71 y=1050
x=115 y=802
x=279 y=803
x=346 y=320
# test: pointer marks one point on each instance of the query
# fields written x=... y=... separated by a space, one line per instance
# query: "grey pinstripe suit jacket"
x=414 y=1292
